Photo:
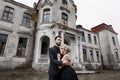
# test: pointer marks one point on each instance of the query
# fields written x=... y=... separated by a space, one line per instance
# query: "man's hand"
x=67 y=63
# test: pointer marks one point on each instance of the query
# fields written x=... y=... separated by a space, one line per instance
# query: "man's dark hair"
x=57 y=37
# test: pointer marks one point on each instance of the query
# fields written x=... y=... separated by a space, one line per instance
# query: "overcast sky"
x=94 y=12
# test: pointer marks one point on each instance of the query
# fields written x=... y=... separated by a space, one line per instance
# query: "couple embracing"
x=60 y=62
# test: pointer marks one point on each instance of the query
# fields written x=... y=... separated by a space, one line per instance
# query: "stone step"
x=43 y=60
x=87 y=72
x=44 y=56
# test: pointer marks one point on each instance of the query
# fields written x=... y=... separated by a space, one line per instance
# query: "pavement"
x=29 y=74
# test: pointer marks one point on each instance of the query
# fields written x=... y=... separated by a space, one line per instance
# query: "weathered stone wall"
x=14 y=30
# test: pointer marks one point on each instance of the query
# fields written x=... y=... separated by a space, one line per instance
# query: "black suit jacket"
x=54 y=63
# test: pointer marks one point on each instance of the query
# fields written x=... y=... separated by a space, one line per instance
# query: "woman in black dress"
x=67 y=72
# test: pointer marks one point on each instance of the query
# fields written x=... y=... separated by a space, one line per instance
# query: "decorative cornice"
x=60 y=26
x=24 y=33
x=3 y=28
x=85 y=29
x=47 y=2
x=19 y=4
x=63 y=8
x=111 y=31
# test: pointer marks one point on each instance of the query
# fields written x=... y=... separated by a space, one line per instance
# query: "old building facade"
x=109 y=46
x=27 y=33
x=16 y=34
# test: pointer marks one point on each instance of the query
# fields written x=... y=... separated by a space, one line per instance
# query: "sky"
x=91 y=13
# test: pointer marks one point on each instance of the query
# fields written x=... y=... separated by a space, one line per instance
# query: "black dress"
x=68 y=73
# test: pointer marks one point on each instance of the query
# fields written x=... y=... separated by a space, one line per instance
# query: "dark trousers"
x=55 y=77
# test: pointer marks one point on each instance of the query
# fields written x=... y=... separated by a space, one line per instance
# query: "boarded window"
x=91 y=55
x=85 y=55
x=21 y=47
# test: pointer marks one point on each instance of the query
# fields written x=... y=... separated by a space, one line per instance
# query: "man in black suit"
x=54 y=71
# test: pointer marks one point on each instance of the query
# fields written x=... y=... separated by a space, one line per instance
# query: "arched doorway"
x=44 y=46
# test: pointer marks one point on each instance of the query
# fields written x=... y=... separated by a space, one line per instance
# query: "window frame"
x=113 y=40
x=89 y=38
x=98 y=56
x=92 y=57
x=85 y=60
x=65 y=19
x=7 y=13
x=83 y=36
x=95 y=40
x=21 y=54
x=46 y=15
x=26 y=20
x=4 y=45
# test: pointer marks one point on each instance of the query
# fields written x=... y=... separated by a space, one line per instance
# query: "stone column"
x=77 y=49
x=81 y=51
x=11 y=47
x=36 y=50
x=62 y=36
x=94 y=56
x=56 y=33
x=81 y=54
x=87 y=51
x=52 y=36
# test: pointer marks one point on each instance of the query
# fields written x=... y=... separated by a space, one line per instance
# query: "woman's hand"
x=58 y=56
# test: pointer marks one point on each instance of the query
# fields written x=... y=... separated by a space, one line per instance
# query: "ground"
x=29 y=74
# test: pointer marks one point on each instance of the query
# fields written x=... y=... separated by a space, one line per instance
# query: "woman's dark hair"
x=57 y=37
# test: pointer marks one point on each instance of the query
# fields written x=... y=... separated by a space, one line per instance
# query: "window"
x=117 y=55
x=91 y=56
x=98 y=57
x=21 y=47
x=95 y=40
x=3 y=40
x=64 y=19
x=59 y=33
x=26 y=19
x=89 y=38
x=46 y=15
x=113 y=39
x=8 y=14
x=83 y=36
x=64 y=2
x=84 y=55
